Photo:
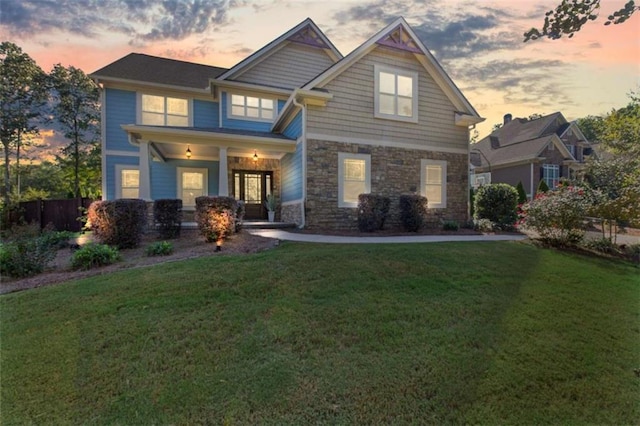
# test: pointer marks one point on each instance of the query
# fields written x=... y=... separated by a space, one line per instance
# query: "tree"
x=22 y=94
x=591 y=127
x=570 y=15
x=76 y=109
x=522 y=194
x=620 y=129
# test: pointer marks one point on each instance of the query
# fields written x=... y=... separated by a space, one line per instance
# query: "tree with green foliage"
x=77 y=109
x=620 y=129
x=22 y=95
x=542 y=187
x=522 y=194
x=590 y=126
x=616 y=191
x=570 y=15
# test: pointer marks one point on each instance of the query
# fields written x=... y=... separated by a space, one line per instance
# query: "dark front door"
x=252 y=186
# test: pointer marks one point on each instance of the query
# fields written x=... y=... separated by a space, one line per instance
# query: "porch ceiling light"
x=188 y=152
x=255 y=156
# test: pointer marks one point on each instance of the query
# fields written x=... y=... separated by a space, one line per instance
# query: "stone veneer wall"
x=394 y=171
x=292 y=213
x=263 y=164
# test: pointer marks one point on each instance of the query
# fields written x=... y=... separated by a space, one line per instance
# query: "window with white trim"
x=192 y=183
x=164 y=111
x=551 y=174
x=396 y=94
x=127 y=181
x=433 y=182
x=251 y=107
x=354 y=178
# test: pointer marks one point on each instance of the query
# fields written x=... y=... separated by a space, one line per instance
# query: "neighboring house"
x=528 y=151
x=296 y=119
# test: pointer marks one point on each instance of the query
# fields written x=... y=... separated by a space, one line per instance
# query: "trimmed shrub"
x=472 y=201
x=542 y=187
x=119 y=222
x=497 y=202
x=522 y=194
x=372 y=212
x=216 y=217
x=413 y=211
x=167 y=214
x=94 y=255
x=602 y=245
x=557 y=216
x=483 y=225
x=240 y=211
x=450 y=225
x=159 y=248
x=632 y=251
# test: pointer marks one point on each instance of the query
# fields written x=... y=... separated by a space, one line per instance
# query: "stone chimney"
x=507 y=118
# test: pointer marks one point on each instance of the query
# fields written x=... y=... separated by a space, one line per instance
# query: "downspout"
x=469 y=129
x=304 y=160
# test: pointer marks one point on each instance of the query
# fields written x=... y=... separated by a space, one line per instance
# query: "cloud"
x=141 y=20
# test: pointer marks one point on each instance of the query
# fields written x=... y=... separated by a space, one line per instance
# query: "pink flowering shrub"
x=556 y=216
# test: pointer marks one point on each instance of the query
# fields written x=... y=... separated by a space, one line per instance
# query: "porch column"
x=223 y=176
x=145 y=172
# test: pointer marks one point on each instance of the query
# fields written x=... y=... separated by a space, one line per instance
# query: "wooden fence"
x=62 y=214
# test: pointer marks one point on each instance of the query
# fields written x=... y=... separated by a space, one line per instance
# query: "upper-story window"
x=164 y=111
x=252 y=107
x=396 y=94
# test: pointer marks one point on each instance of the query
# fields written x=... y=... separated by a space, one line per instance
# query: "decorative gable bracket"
x=398 y=38
x=309 y=37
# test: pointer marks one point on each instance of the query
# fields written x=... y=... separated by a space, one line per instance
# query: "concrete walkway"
x=334 y=239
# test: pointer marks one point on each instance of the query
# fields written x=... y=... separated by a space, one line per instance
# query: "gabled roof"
x=306 y=32
x=399 y=35
x=521 y=139
x=156 y=70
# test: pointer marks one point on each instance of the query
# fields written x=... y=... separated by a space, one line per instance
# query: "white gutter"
x=303 y=111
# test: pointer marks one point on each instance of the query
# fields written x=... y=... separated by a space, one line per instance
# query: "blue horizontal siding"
x=110 y=173
x=294 y=129
x=120 y=108
x=205 y=114
x=234 y=123
x=291 y=165
x=164 y=176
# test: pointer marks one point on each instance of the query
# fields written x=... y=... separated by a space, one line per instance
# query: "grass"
x=491 y=333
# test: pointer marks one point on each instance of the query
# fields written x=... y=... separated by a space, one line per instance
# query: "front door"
x=252 y=186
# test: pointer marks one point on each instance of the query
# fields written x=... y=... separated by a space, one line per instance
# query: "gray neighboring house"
x=529 y=151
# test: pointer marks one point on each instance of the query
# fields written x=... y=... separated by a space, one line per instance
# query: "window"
x=164 y=111
x=433 y=182
x=127 y=182
x=551 y=175
x=572 y=150
x=396 y=94
x=252 y=107
x=192 y=183
x=354 y=178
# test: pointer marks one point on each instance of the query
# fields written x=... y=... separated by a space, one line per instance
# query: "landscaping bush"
x=522 y=194
x=497 y=202
x=26 y=256
x=240 y=211
x=602 y=245
x=216 y=217
x=483 y=225
x=472 y=201
x=94 y=255
x=372 y=212
x=119 y=222
x=557 y=216
x=160 y=248
x=450 y=225
x=167 y=214
x=413 y=210
x=632 y=251
x=542 y=187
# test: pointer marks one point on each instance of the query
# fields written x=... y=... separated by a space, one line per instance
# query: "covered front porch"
x=184 y=163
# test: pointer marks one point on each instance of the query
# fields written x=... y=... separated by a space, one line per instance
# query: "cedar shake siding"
x=351 y=111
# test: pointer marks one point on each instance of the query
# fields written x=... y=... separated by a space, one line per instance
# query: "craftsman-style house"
x=296 y=119
x=522 y=150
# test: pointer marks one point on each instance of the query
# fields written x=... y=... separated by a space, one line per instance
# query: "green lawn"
x=489 y=333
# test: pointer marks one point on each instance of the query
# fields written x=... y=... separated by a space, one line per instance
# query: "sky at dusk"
x=479 y=43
